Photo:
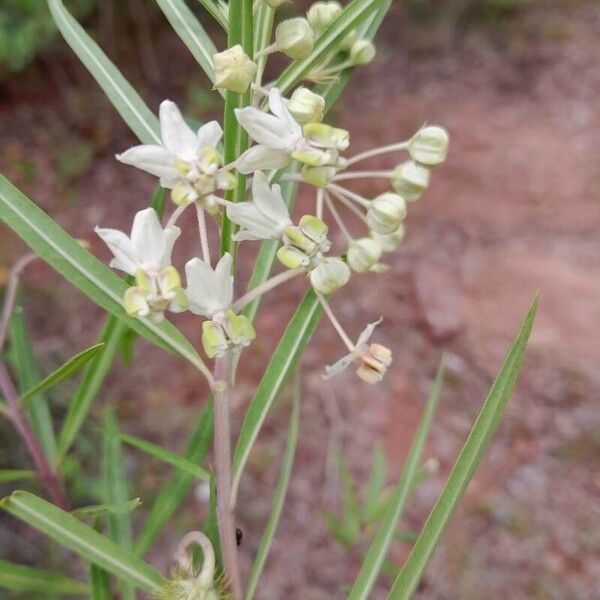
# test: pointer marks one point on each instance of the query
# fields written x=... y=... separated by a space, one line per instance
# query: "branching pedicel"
x=285 y=132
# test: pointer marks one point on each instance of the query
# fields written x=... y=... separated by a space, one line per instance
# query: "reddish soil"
x=513 y=212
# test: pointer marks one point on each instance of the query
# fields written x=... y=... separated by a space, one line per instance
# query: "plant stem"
x=203 y=234
x=376 y=152
x=363 y=174
x=14 y=412
x=265 y=287
x=222 y=449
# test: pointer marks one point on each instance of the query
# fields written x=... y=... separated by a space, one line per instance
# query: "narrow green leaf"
x=27 y=579
x=465 y=465
x=24 y=365
x=235 y=137
x=278 y=497
x=375 y=486
x=168 y=457
x=95 y=372
x=83 y=270
x=263 y=29
x=10 y=475
x=67 y=531
x=354 y=13
x=76 y=362
x=291 y=345
x=174 y=491
x=120 y=92
x=375 y=557
x=191 y=32
x=122 y=508
x=218 y=10
x=99 y=584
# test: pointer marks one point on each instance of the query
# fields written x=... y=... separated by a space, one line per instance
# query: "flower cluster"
x=290 y=142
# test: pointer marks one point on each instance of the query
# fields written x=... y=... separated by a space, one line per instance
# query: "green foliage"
x=27 y=579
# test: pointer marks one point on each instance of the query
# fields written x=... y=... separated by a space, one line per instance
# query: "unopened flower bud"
x=214 y=340
x=362 y=52
x=320 y=14
x=295 y=38
x=389 y=241
x=306 y=106
x=239 y=329
x=234 y=71
x=329 y=275
x=386 y=213
x=374 y=364
x=292 y=258
x=327 y=136
x=410 y=180
x=135 y=303
x=349 y=40
x=363 y=254
x=318 y=176
x=429 y=146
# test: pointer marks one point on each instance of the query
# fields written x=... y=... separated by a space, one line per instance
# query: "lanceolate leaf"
x=99 y=584
x=10 y=475
x=83 y=270
x=191 y=32
x=125 y=99
x=284 y=359
x=121 y=508
x=71 y=366
x=67 y=531
x=465 y=465
x=218 y=10
x=375 y=557
x=174 y=491
x=20 y=578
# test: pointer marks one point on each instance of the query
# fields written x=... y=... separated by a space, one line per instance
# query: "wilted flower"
x=234 y=71
x=372 y=360
x=146 y=254
x=265 y=217
x=187 y=162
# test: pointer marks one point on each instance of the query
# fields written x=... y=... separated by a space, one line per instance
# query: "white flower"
x=186 y=161
x=265 y=217
x=372 y=360
x=210 y=292
x=277 y=135
x=148 y=248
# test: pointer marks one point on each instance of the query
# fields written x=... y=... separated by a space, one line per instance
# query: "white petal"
x=245 y=236
x=152 y=159
x=247 y=215
x=266 y=129
x=171 y=233
x=201 y=289
x=364 y=337
x=120 y=245
x=147 y=238
x=278 y=107
x=176 y=134
x=339 y=366
x=269 y=200
x=225 y=279
x=209 y=135
x=260 y=157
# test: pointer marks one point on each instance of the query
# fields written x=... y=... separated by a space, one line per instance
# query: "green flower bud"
x=306 y=106
x=234 y=71
x=135 y=303
x=316 y=230
x=410 y=180
x=295 y=38
x=320 y=14
x=239 y=329
x=292 y=258
x=362 y=52
x=390 y=241
x=386 y=212
x=429 y=146
x=363 y=254
x=349 y=40
x=318 y=176
x=214 y=340
x=327 y=136
x=329 y=275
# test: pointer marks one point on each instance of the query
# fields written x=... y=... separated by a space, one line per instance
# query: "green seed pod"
x=362 y=52
x=306 y=106
x=429 y=146
x=295 y=38
x=329 y=275
x=320 y=14
x=363 y=254
x=410 y=180
x=234 y=71
x=386 y=212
